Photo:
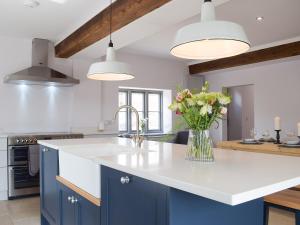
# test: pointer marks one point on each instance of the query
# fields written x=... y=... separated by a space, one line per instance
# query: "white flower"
x=209 y=109
x=223 y=110
x=224 y=100
x=206 y=109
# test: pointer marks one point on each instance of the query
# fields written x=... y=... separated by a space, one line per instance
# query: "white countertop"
x=235 y=177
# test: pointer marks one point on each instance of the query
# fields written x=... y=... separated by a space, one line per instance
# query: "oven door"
x=17 y=155
x=21 y=182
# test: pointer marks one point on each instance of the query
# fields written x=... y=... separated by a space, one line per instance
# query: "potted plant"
x=200 y=111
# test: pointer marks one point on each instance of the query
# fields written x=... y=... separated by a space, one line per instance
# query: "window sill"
x=146 y=135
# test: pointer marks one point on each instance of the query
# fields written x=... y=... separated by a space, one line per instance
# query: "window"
x=148 y=104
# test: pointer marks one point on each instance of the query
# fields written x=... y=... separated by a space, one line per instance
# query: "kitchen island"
x=155 y=184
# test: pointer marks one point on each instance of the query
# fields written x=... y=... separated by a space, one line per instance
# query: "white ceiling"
x=281 y=22
x=157 y=21
x=51 y=20
x=152 y=34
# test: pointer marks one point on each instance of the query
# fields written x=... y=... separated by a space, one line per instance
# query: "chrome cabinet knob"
x=74 y=200
x=45 y=150
x=125 y=180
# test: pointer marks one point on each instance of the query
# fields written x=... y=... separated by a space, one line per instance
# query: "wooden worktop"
x=79 y=191
x=269 y=148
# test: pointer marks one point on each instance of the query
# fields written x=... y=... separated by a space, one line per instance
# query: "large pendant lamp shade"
x=110 y=69
x=211 y=38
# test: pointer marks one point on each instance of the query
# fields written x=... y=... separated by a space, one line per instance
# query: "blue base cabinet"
x=66 y=207
x=76 y=210
x=186 y=208
x=130 y=200
x=48 y=185
x=59 y=204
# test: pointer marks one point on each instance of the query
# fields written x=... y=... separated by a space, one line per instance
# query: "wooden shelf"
x=286 y=198
x=79 y=191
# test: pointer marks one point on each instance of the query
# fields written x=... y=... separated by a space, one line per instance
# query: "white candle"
x=298 y=129
x=277 y=123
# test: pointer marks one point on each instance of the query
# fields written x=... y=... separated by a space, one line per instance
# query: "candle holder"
x=277 y=137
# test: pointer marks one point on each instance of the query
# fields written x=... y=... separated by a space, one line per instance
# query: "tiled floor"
x=26 y=212
x=20 y=212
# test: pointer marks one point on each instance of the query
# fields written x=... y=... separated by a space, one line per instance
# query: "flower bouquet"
x=200 y=111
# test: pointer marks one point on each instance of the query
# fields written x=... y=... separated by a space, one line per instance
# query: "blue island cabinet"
x=76 y=210
x=130 y=200
x=48 y=186
x=190 y=209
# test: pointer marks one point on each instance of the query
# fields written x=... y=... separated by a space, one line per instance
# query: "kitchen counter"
x=235 y=177
x=268 y=148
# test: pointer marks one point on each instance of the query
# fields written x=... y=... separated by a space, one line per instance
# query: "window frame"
x=145 y=109
x=125 y=110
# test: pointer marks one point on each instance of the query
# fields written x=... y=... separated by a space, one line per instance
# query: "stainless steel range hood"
x=40 y=73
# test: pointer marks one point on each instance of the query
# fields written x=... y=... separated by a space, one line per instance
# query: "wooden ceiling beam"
x=262 y=55
x=124 y=12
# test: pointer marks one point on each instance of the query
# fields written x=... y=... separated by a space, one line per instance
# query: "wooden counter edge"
x=84 y=194
x=234 y=145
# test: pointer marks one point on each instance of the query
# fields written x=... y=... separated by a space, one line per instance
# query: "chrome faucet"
x=138 y=139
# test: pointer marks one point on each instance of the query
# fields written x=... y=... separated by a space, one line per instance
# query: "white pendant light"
x=110 y=69
x=211 y=38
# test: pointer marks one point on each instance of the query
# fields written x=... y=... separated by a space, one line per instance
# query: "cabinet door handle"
x=125 y=180
x=45 y=150
x=69 y=198
x=74 y=200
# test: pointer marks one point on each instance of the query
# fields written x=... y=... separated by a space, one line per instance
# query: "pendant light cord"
x=110 y=26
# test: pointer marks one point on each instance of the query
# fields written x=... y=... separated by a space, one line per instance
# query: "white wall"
x=151 y=73
x=27 y=108
x=276 y=91
x=195 y=83
x=79 y=108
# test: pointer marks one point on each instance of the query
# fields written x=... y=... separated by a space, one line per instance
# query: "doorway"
x=240 y=118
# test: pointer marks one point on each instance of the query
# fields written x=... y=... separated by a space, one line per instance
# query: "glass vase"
x=200 y=146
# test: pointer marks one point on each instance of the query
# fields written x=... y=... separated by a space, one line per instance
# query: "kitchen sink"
x=77 y=166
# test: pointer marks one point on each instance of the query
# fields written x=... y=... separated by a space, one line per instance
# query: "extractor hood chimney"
x=40 y=73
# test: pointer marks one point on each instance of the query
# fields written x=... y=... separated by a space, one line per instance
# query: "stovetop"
x=32 y=138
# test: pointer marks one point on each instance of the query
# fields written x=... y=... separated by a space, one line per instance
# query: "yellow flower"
x=190 y=102
x=200 y=103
